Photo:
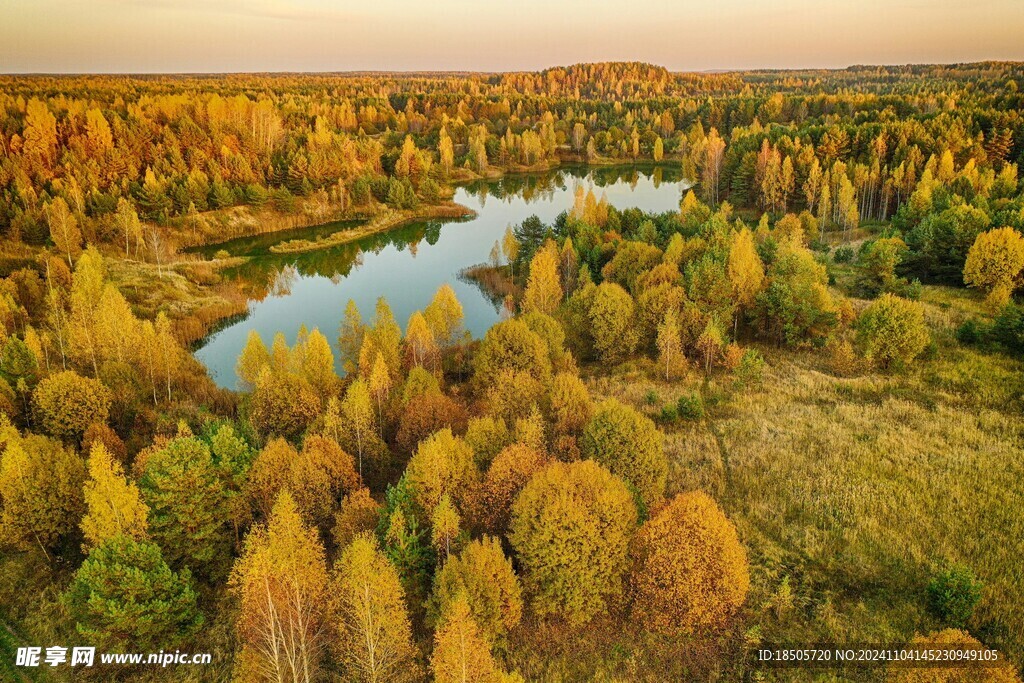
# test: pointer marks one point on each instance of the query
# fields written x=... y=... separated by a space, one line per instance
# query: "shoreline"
x=212 y=317
x=382 y=222
x=245 y=221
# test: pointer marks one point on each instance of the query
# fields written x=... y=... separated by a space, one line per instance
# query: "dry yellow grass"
x=854 y=490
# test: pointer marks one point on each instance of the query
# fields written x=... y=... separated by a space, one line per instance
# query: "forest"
x=788 y=412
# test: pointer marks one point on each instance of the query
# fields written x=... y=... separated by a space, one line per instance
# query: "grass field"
x=850 y=492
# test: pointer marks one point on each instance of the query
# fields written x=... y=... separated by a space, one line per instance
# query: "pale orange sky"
x=486 y=35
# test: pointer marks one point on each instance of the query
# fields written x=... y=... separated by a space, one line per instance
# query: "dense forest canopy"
x=787 y=412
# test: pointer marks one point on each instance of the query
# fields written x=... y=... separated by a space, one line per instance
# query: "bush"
x=892 y=331
x=1008 y=329
x=751 y=368
x=690 y=406
x=953 y=593
x=972 y=332
x=669 y=413
x=843 y=254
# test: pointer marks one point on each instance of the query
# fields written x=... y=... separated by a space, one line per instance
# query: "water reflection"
x=408 y=264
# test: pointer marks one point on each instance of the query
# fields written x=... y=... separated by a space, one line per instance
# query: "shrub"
x=972 y=332
x=690 y=406
x=892 y=330
x=751 y=368
x=951 y=672
x=953 y=593
x=842 y=360
x=843 y=254
x=1008 y=329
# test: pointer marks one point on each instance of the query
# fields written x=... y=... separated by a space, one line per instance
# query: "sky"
x=171 y=36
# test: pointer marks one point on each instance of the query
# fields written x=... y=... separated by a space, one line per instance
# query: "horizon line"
x=470 y=72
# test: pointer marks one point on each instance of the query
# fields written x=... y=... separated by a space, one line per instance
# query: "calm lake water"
x=408 y=264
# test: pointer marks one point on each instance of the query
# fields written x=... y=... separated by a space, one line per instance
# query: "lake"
x=408 y=264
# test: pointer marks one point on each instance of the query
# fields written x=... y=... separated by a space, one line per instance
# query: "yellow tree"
x=358 y=413
x=41 y=490
x=570 y=529
x=40 y=133
x=445 y=150
x=319 y=479
x=627 y=443
x=127 y=222
x=509 y=472
x=113 y=504
x=994 y=264
x=380 y=385
x=280 y=354
x=510 y=246
x=374 y=635
x=689 y=570
x=269 y=474
x=543 y=289
x=406 y=164
x=168 y=349
x=98 y=131
x=86 y=290
x=710 y=344
x=281 y=583
x=148 y=353
x=711 y=168
x=745 y=271
x=65 y=404
x=444 y=526
x=318 y=364
x=420 y=348
x=571 y=406
x=386 y=338
x=444 y=316
x=670 y=345
x=117 y=330
x=253 y=359
x=461 y=653
x=64 y=229
x=612 y=322
x=358 y=513
x=350 y=337
x=482 y=574
x=443 y=464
